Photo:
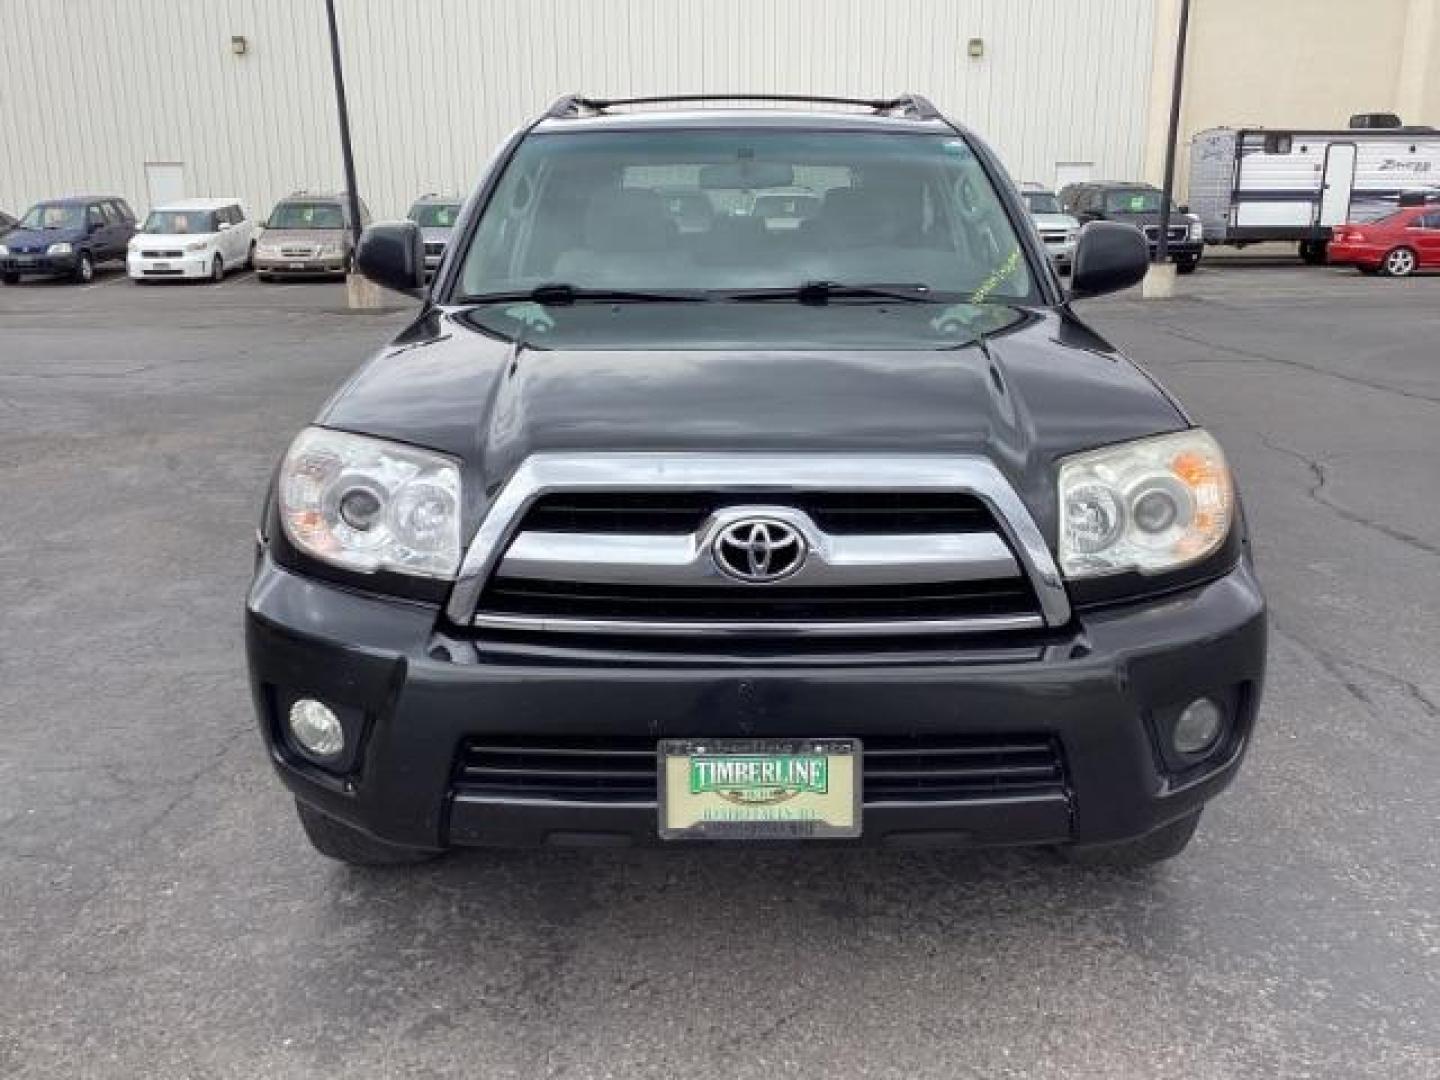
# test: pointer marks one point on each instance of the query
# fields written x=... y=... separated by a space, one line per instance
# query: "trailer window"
x=1276 y=143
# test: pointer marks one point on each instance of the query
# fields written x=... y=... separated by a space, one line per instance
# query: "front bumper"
x=1061 y=252
x=1179 y=250
x=187 y=266
x=48 y=265
x=330 y=265
x=1096 y=689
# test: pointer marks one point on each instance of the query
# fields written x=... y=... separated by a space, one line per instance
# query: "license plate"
x=160 y=266
x=297 y=266
x=25 y=260
x=759 y=789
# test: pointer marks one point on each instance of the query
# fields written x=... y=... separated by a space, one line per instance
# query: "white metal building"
x=153 y=99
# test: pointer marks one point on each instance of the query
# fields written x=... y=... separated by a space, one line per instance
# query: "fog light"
x=316 y=728
x=1198 y=727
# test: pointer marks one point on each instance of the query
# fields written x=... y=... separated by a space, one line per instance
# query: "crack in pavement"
x=1251 y=354
x=1316 y=492
x=1335 y=666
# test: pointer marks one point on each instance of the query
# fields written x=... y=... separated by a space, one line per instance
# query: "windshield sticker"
x=1137 y=203
x=998 y=275
x=533 y=316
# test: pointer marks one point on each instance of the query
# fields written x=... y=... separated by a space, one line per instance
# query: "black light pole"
x=1162 y=245
x=351 y=193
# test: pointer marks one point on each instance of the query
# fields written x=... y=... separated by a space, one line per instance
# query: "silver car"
x=1057 y=228
x=436 y=215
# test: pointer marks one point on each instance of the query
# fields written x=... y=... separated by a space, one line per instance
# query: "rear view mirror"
x=746 y=175
x=1109 y=256
x=392 y=254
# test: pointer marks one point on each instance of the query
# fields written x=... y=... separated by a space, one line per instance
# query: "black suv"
x=656 y=525
x=67 y=238
x=1139 y=205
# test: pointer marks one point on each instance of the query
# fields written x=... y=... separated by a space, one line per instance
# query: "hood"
x=1055 y=221
x=35 y=241
x=1041 y=387
x=169 y=240
x=304 y=236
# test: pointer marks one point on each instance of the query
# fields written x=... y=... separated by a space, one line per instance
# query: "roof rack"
x=908 y=105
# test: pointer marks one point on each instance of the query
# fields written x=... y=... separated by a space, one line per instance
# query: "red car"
x=1396 y=245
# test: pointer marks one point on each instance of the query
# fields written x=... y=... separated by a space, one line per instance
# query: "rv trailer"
x=1254 y=184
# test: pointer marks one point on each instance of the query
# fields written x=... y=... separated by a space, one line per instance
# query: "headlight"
x=268 y=251
x=367 y=504
x=329 y=250
x=1197 y=231
x=198 y=245
x=1151 y=505
x=4 y=251
x=60 y=249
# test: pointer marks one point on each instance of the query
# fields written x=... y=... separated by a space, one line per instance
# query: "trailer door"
x=1339 y=179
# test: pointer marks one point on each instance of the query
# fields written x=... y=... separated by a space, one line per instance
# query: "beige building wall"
x=1292 y=63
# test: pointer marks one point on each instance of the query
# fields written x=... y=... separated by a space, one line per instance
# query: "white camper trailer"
x=1252 y=184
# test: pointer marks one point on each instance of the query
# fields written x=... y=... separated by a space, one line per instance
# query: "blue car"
x=67 y=238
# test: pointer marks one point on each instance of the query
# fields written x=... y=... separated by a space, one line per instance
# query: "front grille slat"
x=623 y=769
x=685 y=511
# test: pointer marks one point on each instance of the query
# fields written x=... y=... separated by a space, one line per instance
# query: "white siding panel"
x=435 y=84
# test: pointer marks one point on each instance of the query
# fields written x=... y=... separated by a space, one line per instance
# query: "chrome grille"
x=1176 y=232
x=162 y=254
x=633 y=546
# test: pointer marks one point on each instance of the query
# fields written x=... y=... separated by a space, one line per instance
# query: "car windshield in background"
x=736 y=210
x=1135 y=201
x=435 y=215
x=180 y=222
x=1042 y=202
x=307 y=215
x=54 y=216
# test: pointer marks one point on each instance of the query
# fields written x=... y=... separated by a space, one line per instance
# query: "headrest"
x=627 y=220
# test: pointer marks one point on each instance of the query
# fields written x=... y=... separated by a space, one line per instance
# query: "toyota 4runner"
x=664 y=525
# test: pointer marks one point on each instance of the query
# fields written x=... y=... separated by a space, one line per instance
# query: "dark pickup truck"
x=841 y=529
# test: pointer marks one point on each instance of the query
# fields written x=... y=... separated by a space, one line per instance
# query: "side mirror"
x=392 y=254
x=1108 y=257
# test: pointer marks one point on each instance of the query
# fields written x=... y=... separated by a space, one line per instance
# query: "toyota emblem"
x=759 y=550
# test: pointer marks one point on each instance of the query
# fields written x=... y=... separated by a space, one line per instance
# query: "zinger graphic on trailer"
x=1254 y=184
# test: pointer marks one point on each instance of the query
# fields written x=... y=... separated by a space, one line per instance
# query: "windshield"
x=1042 y=202
x=1134 y=201
x=435 y=215
x=307 y=215
x=180 y=221
x=745 y=209
x=54 y=216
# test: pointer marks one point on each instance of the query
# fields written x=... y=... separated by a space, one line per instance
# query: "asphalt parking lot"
x=162 y=916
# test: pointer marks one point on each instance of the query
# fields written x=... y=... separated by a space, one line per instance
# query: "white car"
x=194 y=238
x=1057 y=229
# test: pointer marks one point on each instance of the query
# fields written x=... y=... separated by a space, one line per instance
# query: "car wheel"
x=1186 y=266
x=217 y=270
x=260 y=275
x=1313 y=252
x=250 y=256
x=339 y=841
x=1398 y=262
x=85 y=269
x=1164 y=843
x=10 y=279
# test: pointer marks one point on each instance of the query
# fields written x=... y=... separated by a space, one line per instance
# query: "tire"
x=1313 y=252
x=250 y=257
x=260 y=275
x=339 y=841
x=1186 y=266
x=10 y=279
x=1398 y=262
x=84 y=268
x=217 y=270
x=1164 y=843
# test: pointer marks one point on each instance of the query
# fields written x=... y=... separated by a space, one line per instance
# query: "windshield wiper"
x=822 y=292
x=560 y=293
